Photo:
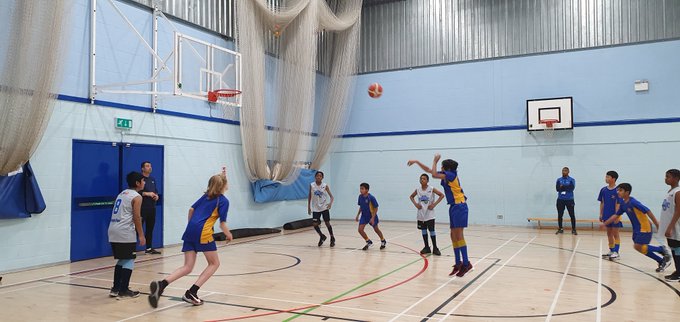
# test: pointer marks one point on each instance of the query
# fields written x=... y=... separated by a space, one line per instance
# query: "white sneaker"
x=614 y=256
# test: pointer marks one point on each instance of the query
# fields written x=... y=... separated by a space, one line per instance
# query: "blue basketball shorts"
x=198 y=247
x=458 y=215
x=642 y=238
x=363 y=220
x=616 y=225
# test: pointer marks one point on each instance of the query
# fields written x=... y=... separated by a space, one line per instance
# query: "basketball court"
x=269 y=94
x=284 y=277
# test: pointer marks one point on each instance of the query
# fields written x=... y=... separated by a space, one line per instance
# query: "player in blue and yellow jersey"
x=458 y=209
x=198 y=237
x=368 y=209
x=641 y=219
x=609 y=204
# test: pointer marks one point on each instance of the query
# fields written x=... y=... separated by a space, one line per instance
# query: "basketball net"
x=549 y=127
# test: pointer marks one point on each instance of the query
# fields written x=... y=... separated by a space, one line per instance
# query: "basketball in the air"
x=375 y=90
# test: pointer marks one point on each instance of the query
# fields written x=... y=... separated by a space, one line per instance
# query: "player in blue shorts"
x=368 y=209
x=198 y=238
x=458 y=209
x=609 y=204
x=640 y=217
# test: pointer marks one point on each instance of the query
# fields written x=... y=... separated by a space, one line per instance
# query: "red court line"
x=425 y=264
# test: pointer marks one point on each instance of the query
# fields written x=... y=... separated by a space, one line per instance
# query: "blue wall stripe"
x=514 y=127
x=84 y=100
x=76 y=99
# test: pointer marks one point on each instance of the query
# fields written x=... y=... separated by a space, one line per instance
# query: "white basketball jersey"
x=319 y=197
x=667 y=211
x=122 y=227
x=425 y=198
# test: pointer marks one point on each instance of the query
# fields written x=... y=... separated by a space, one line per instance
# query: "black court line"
x=140 y=261
x=179 y=299
x=611 y=300
x=677 y=292
x=447 y=301
x=297 y=262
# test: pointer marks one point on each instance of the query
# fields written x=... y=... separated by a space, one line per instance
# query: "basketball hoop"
x=549 y=126
x=214 y=96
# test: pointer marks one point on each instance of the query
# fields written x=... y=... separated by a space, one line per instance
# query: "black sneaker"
x=383 y=243
x=152 y=251
x=128 y=293
x=436 y=252
x=606 y=255
x=154 y=293
x=663 y=264
x=573 y=232
x=321 y=240
x=332 y=241
x=192 y=298
x=425 y=250
x=559 y=231
x=369 y=243
x=675 y=276
x=113 y=293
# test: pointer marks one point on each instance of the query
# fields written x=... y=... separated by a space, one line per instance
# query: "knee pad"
x=676 y=251
x=127 y=263
x=433 y=233
x=424 y=231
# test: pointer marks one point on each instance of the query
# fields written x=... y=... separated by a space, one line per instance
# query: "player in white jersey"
x=425 y=205
x=124 y=229
x=669 y=221
x=319 y=203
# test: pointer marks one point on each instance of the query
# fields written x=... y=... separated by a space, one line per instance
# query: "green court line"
x=297 y=315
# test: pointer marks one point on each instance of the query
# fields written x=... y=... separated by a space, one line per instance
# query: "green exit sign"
x=125 y=124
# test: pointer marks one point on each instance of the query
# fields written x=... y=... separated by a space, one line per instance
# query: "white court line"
x=599 y=286
x=34 y=286
x=447 y=282
x=161 y=309
x=564 y=277
x=486 y=280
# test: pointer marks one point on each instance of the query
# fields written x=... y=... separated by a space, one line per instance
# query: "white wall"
x=508 y=172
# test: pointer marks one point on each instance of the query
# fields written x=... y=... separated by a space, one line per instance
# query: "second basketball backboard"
x=554 y=112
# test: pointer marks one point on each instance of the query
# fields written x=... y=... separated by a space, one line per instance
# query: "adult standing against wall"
x=150 y=197
x=565 y=186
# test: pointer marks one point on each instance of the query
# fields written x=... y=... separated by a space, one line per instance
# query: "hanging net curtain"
x=296 y=24
x=28 y=77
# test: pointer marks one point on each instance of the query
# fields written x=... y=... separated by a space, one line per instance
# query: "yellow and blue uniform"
x=455 y=197
x=637 y=212
x=642 y=227
x=609 y=199
x=198 y=236
x=368 y=205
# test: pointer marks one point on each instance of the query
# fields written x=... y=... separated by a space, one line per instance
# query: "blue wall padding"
x=268 y=190
x=20 y=195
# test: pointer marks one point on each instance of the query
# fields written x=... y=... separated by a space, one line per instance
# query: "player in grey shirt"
x=124 y=229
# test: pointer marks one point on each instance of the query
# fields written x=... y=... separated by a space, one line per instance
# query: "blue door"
x=99 y=170
x=95 y=185
x=132 y=157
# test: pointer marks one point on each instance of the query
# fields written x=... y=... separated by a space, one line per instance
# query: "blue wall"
x=494 y=93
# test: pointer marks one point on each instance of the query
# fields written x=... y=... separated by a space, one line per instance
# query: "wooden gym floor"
x=520 y=274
